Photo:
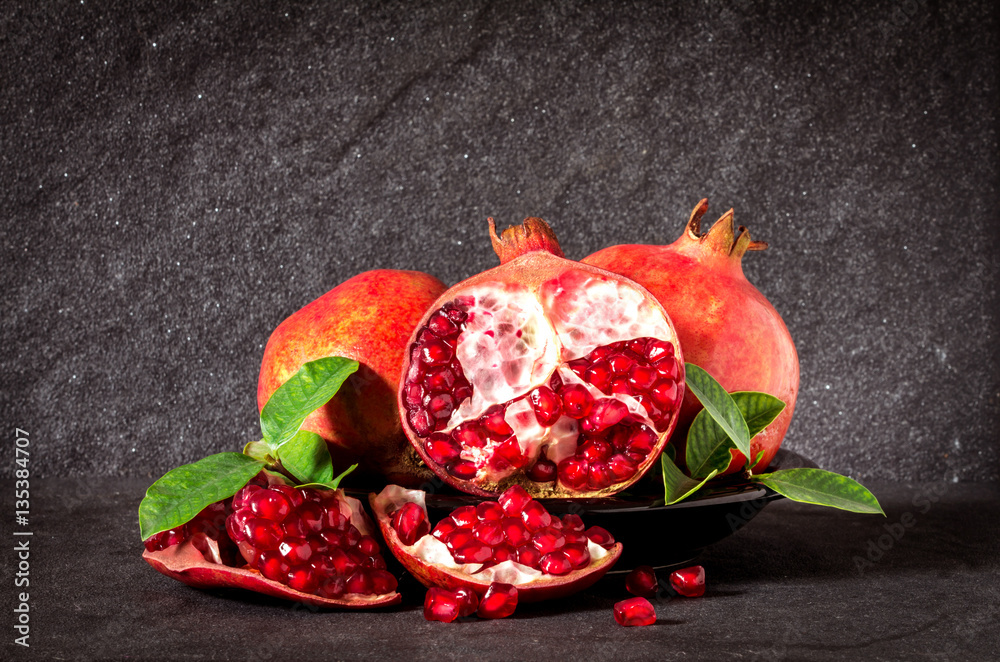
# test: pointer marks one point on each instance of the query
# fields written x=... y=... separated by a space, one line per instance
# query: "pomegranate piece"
x=313 y=540
x=513 y=540
x=367 y=318
x=499 y=601
x=689 y=582
x=642 y=582
x=541 y=362
x=696 y=269
x=635 y=611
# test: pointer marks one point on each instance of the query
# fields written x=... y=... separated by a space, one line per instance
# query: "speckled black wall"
x=176 y=178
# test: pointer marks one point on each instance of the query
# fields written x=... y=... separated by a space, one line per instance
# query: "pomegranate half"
x=544 y=372
x=368 y=318
x=724 y=323
x=513 y=540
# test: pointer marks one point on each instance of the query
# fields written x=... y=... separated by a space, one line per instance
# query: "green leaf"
x=677 y=486
x=708 y=445
x=307 y=458
x=720 y=405
x=306 y=391
x=823 y=488
x=335 y=483
x=185 y=491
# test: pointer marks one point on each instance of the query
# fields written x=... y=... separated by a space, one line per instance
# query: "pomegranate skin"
x=724 y=324
x=368 y=318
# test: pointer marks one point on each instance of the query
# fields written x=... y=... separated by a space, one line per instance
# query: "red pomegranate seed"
x=642 y=582
x=474 y=552
x=621 y=467
x=657 y=349
x=515 y=531
x=535 y=516
x=368 y=546
x=667 y=368
x=468 y=602
x=599 y=476
x=410 y=523
x=332 y=587
x=441 y=325
x=243 y=497
x=542 y=471
x=382 y=581
x=573 y=522
x=490 y=532
x=441 y=448
x=436 y=352
x=595 y=450
x=689 y=582
x=459 y=538
x=548 y=540
x=465 y=516
x=273 y=566
x=577 y=400
x=295 y=552
x=513 y=500
x=578 y=555
x=294 y=496
x=555 y=563
x=496 y=427
x=463 y=393
x=421 y=422
x=637 y=346
x=463 y=470
x=503 y=553
x=579 y=366
x=499 y=601
x=303 y=579
x=642 y=377
x=443 y=528
x=360 y=582
x=440 y=379
x=489 y=510
x=441 y=406
x=603 y=415
x=270 y=505
x=643 y=440
x=620 y=386
x=470 y=435
x=546 y=404
x=573 y=473
x=599 y=374
x=620 y=363
x=441 y=605
x=635 y=611
x=510 y=452
x=600 y=536
x=262 y=534
x=528 y=555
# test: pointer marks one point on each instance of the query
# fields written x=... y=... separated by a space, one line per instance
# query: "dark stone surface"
x=799 y=582
x=176 y=178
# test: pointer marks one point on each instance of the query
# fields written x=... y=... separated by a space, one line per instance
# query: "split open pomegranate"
x=513 y=540
x=544 y=372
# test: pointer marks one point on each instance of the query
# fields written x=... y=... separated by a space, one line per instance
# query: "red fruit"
x=368 y=318
x=441 y=605
x=635 y=611
x=542 y=556
x=499 y=601
x=642 y=582
x=543 y=355
x=689 y=582
x=337 y=553
x=724 y=323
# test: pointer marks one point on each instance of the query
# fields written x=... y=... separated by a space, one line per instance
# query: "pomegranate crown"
x=533 y=234
x=721 y=237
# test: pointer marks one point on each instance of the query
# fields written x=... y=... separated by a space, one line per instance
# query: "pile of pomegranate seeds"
x=610 y=442
x=499 y=601
x=518 y=528
x=301 y=538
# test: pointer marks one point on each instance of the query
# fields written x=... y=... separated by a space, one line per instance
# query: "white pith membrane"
x=515 y=340
x=430 y=549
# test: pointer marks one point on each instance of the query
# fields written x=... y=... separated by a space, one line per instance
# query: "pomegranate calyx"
x=185 y=563
x=721 y=238
x=533 y=234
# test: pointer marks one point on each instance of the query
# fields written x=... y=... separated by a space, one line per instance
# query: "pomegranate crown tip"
x=533 y=234
x=721 y=236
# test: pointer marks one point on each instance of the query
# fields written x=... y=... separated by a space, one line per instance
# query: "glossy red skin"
x=368 y=318
x=721 y=319
x=186 y=564
x=530 y=255
x=430 y=575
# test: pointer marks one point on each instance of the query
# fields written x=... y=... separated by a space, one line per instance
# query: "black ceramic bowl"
x=652 y=533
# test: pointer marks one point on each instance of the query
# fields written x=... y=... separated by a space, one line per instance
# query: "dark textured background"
x=176 y=178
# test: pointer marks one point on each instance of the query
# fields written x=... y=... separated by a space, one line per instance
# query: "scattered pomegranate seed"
x=689 y=582
x=642 y=582
x=499 y=601
x=634 y=612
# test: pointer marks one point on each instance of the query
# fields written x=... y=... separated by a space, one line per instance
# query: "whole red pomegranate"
x=543 y=372
x=724 y=323
x=368 y=318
